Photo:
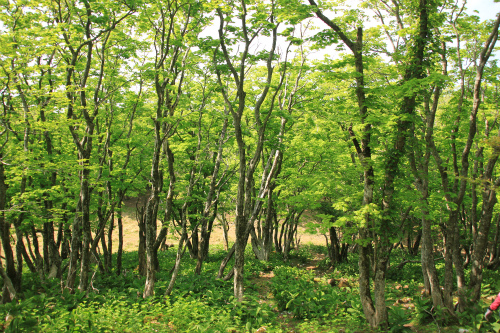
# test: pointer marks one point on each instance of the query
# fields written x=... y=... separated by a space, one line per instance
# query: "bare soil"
x=131 y=230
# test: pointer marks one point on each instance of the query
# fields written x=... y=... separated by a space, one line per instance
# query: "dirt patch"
x=131 y=229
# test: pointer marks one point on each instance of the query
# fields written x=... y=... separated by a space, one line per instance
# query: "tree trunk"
x=141 y=252
x=262 y=245
x=10 y=274
x=476 y=276
x=86 y=239
x=415 y=246
x=459 y=267
x=225 y=230
x=428 y=267
x=448 y=266
x=119 y=252
x=75 y=249
x=54 y=262
x=364 y=282
x=180 y=251
x=226 y=260
x=27 y=258
x=37 y=256
x=9 y=292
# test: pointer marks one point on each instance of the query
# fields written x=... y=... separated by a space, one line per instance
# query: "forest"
x=373 y=125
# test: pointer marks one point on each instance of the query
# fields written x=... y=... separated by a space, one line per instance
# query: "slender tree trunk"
x=26 y=256
x=54 y=262
x=141 y=251
x=364 y=154
x=476 y=276
x=489 y=194
x=364 y=282
x=428 y=266
x=262 y=245
x=37 y=257
x=226 y=260
x=66 y=240
x=180 y=251
x=448 y=268
x=277 y=242
x=119 y=252
x=86 y=239
x=420 y=167
x=9 y=292
x=459 y=267
x=75 y=249
x=151 y=208
x=225 y=230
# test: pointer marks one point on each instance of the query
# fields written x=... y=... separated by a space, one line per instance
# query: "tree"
x=375 y=310
x=170 y=26
x=79 y=50
x=257 y=19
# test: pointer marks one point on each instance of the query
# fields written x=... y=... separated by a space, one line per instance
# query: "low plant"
x=398 y=318
x=296 y=291
x=251 y=312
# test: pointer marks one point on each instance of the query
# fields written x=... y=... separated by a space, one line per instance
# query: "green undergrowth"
x=305 y=296
x=279 y=296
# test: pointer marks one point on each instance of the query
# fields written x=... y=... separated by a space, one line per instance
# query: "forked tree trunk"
x=364 y=155
x=291 y=232
x=37 y=257
x=54 y=262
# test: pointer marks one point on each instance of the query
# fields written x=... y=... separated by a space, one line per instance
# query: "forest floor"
x=262 y=283
x=303 y=294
